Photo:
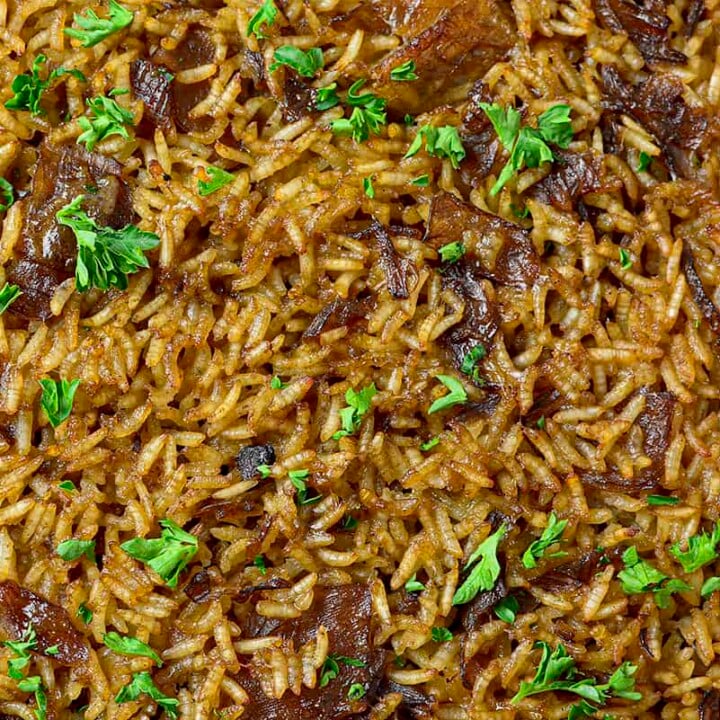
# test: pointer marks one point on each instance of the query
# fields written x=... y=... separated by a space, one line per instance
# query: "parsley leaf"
x=430 y=444
x=330 y=668
x=95 y=29
x=451 y=252
x=34 y=685
x=368 y=187
x=441 y=634
x=485 y=573
x=7 y=196
x=84 y=613
x=368 y=115
x=639 y=576
x=507 y=609
x=264 y=470
x=297 y=478
x=442 y=142
x=167 y=555
x=71 y=550
x=421 y=181
x=8 y=295
x=326 y=97
x=541 y=422
x=57 y=399
x=550 y=535
x=52 y=650
x=456 y=396
x=142 y=684
x=662 y=500
x=21 y=649
x=306 y=63
x=264 y=16
x=356 y=691
x=701 y=550
x=505 y=121
x=404 y=72
x=413 y=585
x=710 y=586
x=105 y=256
x=625 y=260
x=68 y=486
x=349 y=523
x=259 y=563
x=555 y=127
x=218 y=178
x=276 y=383
x=108 y=118
x=470 y=361
x=644 y=161
x=358 y=405
x=130 y=646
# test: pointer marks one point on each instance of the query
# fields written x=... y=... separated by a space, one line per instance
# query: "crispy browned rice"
x=592 y=282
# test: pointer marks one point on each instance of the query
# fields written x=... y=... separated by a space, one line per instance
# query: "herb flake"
x=125 y=645
x=57 y=399
x=484 y=574
x=551 y=535
x=8 y=295
x=456 y=396
x=95 y=29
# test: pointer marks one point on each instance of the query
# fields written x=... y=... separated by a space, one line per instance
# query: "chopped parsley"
x=451 y=252
x=264 y=16
x=105 y=256
x=430 y=444
x=368 y=188
x=259 y=563
x=167 y=555
x=356 y=691
x=527 y=146
x=442 y=142
x=507 y=609
x=409 y=119
x=644 y=161
x=118 y=91
x=710 y=586
x=7 y=196
x=276 y=383
x=456 y=396
x=441 y=635
x=264 y=470
x=405 y=72
x=413 y=585
x=358 y=405
x=84 y=613
x=34 y=685
x=96 y=29
x=52 y=651
x=305 y=63
x=28 y=88
x=108 y=118
x=68 y=486
x=349 y=523
x=557 y=672
x=71 y=550
x=217 y=178
x=470 y=361
x=330 y=668
x=130 y=646
x=550 y=536
x=326 y=97
x=297 y=478
x=638 y=577
x=701 y=550
x=541 y=422
x=57 y=399
x=142 y=684
x=485 y=573
x=662 y=500
x=8 y=295
x=625 y=260
x=421 y=181
x=368 y=115
x=21 y=652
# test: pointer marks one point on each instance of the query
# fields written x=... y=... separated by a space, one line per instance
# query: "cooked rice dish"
x=359 y=359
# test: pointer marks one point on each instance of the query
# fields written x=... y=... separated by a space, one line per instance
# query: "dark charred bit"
x=694 y=15
x=339 y=313
x=49 y=250
x=658 y=104
x=477 y=611
x=251 y=456
x=21 y=608
x=706 y=306
x=152 y=84
x=570 y=575
x=478 y=136
x=572 y=176
x=646 y=26
x=710 y=706
x=249 y=593
x=298 y=98
x=345 y=610
x=199 y=587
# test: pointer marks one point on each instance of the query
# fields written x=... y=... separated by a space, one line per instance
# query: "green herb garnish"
x=7 y=196
x=326 y=97
x=413 y=585
x=8 y=295
x=95 y=29
x=142 y=684
x=507 y=609
x=68 y=486
x=34 y=685
x=421 y=181
x=430 y=444
x=52 y=651
x=550 y=535
x=167 y=555
x=368 y=187
x=21 y=649
x=264 y=470
x=57 y=399
x=701 y=550
x=625 y=260
x=264 y=16
x=404 y=72
x=84 y=613
x=297 y=478
x=305 y=63
x=662 y=500
x=451 y=252
x=105 y=256
x=276 y=383
x=130 y=646
x=485 y=573
x=644 y=161
x=710 y=586
x=358 y=405
x=541 y=422
x=441 y=635
x=456 y=396
x=442 y=142
x=349 y=523
x=356 y=691
x=330 y=668
x=470 y=361
x=219 y=178
x=71 y=550
x=108 y=118
x=259 y=563
x=639 y=577
x=368 y=115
